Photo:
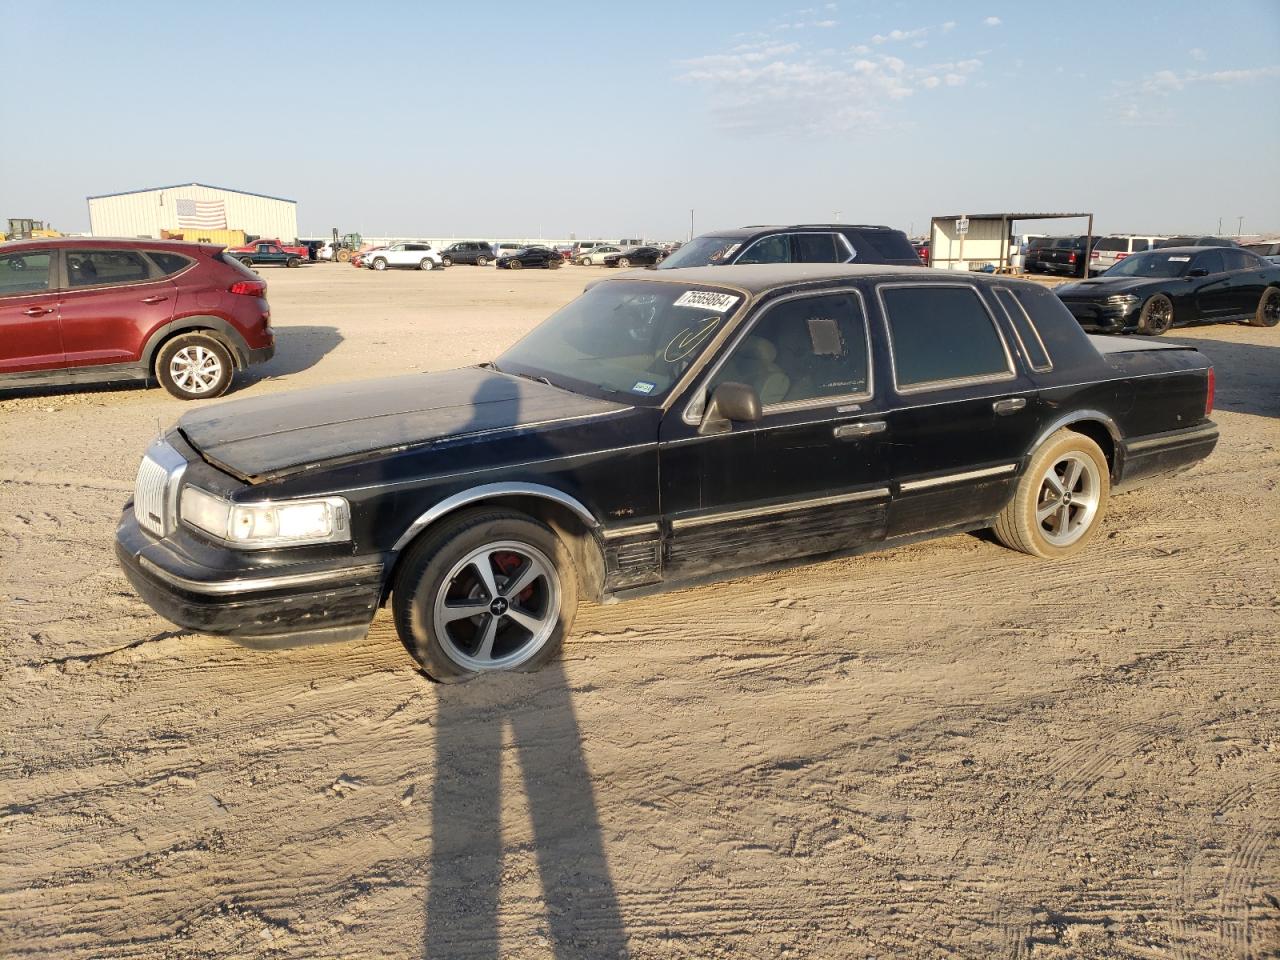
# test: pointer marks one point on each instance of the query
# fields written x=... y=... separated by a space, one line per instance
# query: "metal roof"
x=1013 y=216
x=174 y=186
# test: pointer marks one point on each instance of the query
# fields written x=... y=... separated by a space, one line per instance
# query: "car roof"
x=759 y=278
x=94 y=242
x=752 y=230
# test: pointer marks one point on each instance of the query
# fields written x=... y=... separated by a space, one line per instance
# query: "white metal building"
x=190 y=207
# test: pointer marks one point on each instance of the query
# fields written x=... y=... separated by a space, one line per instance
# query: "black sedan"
x=1173 y=286
x=658 y=431
x=543 y=257
x=637 y=257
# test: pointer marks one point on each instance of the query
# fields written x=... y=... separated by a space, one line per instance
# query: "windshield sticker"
x=706 y=300
x=690 y=339
x=1179 y=259
x=643 y=386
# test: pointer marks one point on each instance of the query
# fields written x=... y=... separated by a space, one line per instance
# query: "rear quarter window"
x=887 y=244
x=940 y=335
x=169 y=263
x=1061 y=333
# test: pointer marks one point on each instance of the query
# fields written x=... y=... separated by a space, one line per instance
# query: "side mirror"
x=1197 y=272
x=731 y=403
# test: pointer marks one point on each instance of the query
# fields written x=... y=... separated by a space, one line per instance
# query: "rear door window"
x=25 y=272
x=817 y=248
x=1141 y=245
x=1033 y=347
x=1210 y=261
x=1238 y=260
x=942 y=336
x=87 y=268
x=775 y=249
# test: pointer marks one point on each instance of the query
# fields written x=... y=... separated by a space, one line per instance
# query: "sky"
x=616 y=120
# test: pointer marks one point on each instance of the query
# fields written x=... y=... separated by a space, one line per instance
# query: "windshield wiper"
x=530 y=376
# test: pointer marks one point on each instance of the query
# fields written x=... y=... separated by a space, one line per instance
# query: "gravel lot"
x=947 y=750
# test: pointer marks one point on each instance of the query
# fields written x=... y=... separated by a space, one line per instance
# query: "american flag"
x=202 y=214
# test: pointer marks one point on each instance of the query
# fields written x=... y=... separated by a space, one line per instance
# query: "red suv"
x=75 y=310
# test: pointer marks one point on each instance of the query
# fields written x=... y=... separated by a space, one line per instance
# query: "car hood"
x=264 y=438
x=1104 y=286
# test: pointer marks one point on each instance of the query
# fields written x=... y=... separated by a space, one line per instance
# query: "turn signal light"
x=249 y=288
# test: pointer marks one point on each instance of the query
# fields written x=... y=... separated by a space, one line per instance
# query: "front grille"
x=156 y=489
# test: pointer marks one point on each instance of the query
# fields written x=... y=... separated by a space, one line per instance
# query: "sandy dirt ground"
x=947 y=750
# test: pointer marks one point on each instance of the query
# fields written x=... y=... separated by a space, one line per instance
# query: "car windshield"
x=632 y=338
x=703 y=252
x=1151 y=264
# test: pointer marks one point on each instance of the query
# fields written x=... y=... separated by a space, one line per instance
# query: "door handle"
x=850 y=431
x=1011 y=405
x=154 y=299
x=37 y=311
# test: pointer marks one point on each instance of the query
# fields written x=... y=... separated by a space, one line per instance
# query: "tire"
x=482 y=261
x=379 y=264
x=1027 y=523
x=427 y=264
x=554 y=264
x=1156 y=316
x=194 y=366
x=514 y=265
x=446 y=261
x=247 y=261
x=1268 y=312
x=343 y=255
x=623 y=263
x=584 y=262
x=293 y=262
x=441 y=571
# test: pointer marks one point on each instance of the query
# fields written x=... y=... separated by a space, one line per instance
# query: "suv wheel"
x=491 y=590
x=427 y=264
x=194 y=366
x=482 y=261
x=379 y=264
x=446 y=261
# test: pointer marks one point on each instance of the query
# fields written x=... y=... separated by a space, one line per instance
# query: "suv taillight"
x=1208 y=400
x=249 y=288
x=1121 y=256
x=1073 y=259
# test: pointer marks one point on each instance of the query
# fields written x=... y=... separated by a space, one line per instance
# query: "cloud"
x=899 y=35
x=1196 y=53
x=774 y=88
x=948 y=26
x=1169 y=81
x=993 y=21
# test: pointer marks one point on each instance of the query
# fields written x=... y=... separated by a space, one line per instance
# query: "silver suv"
x=1109 y=251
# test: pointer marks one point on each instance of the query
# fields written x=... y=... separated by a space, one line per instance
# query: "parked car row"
x=1066 y=256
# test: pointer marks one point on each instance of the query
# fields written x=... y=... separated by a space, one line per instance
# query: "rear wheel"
x=194 y=366
x=491 y=590
x=1060 y=499
x=427 y=264
x=293 y=262
x=482 y=261
x=1268 y=312
x=1156 y=316
x=247 y=261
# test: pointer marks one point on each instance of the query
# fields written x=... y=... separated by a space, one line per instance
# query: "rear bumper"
x=261 y=354
x=1166 y=452
x=282 y=605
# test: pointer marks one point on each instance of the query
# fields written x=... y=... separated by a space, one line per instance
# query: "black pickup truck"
x=665 y=428
x=1065 y=256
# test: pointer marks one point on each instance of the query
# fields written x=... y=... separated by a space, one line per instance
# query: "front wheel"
x=194 y=366
x=514 y=265
x=1060 y=499
x=1268 y=312
x=1156 y=316
x=379 y=264
x=446 y=261
x=427 y=264
x=490 y=590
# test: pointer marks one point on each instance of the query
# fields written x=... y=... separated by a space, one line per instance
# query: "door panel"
x=30 y=336
x=811 y=477
x=107 y=313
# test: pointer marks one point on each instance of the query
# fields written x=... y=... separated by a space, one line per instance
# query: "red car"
x=75 y=310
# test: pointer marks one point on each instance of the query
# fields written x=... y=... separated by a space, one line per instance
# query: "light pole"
x=1239 y=226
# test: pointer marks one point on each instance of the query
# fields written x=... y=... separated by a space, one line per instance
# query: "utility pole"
x=1239 y=226
x=691 y=223
x=1219 y=226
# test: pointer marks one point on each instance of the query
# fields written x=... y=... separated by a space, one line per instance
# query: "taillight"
x=1208 y=400
x=1073 y=259
x=1121 y=256
x=1093 y=255
x=249 y=288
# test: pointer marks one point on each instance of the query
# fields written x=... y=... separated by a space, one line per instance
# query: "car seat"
x=753 y=363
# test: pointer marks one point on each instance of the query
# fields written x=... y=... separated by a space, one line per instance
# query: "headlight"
x=268 y=524
x=1123 y=299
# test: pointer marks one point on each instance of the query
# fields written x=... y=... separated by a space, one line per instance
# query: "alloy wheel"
x=1160 y=316
x=1068 y=499
x=498 y=606
x=195 y=369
